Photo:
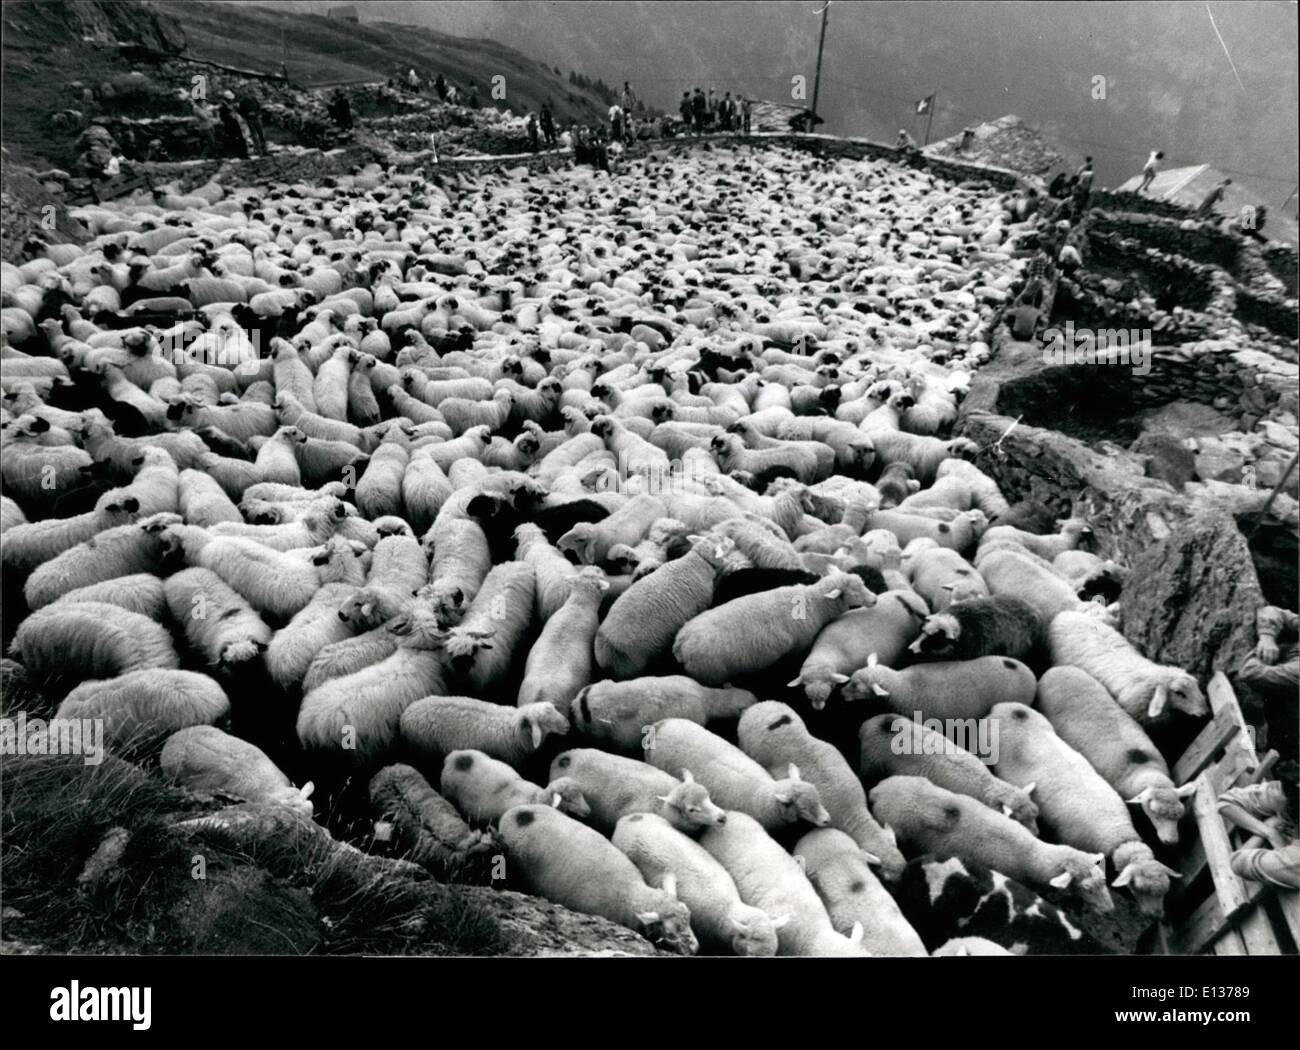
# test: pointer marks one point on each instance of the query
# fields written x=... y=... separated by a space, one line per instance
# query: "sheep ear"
x=1029 y=788
x=1158 y=701
x=306 y=790
x=781 y=923
x=1124 y=877
x=1186 y=790
x=879 y=689
x=834 y=594
x=1006 y=810
x=556 y=800
x=839 y=679
x=873 y=660
x=664 y=799
x=537 y=734
x=647 y=918
x=1169 y=871
x=1061 y=881
x=890 y=833
x=687 y=777
x=857 y=934
x=1140 y=797
x=794 y=773
x=783 y=797
x=871 y=858
x=794 y=683
x=669 y=885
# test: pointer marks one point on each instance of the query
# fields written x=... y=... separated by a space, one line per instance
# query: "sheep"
x=997 y=625
x=960 y=534
x=317 y=524
x=346 y=656
x=1085 y=717
x=421 y=486
x=776 y=738
x=1017 y=574
x=752 y=633
x=37 y=474
x=668 y=858
x=203 y=502
x=205 y=758
x=840 y=872
x=984 y=490
x=769 y=879
x=501 y=611
x=572 y=865
x=943 y=577
x=732 y=778
x=322 y=460
x=560 y=661
x=617 y=713
x=553 y=571
x=1142 y=688
x=470 y=444
x=615 y=786
x=361 y=712
x=442 y=724
x=590 y=542
x=759 y=544
x=1075 y=533
x=932 y=819
x=140 y=592
x=922 y=453
x=27 y=546
x=459 y=563
x=483 y=788
x=314 y=627
x=642 y=623
x=292 y=376
x=141 y=709
x=330 y=386
x=73 y=641
x=891 y=745
x=219 y=625
x=422 y=821
x=1089 y=575
x=1075 y=802
x=11 y=515
x=848 y=642
x=121 y=551
x=952 y=689
x=397 y=571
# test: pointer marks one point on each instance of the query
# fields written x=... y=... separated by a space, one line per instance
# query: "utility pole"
x=817 y=79
x=928 y=121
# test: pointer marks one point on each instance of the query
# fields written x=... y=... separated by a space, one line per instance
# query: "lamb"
x=769 y=879
x=1086 y=718
x=219 y=625
x=207 y=759
x=442 y=724
x=141 y=709
x=733 y=779
x=590 y=542
x=841 y=874
x=73 y=641
x=202 y=502
x=848 y=642
x=776 y=738
x=560 y=661
x=615 y=786
x=27 y=546
x=1075 y=533
x=642 y=623
x=483 y=788
x=1142 y=688
x=572 y=865
x=952 y=689
x=422 y=821
x=943 y=577
x=553 y=571
x=719 y=918
x=752 y=633
x=121 y=551
x=997 y=625
x=140 y=592
x=1076 y=804
x=891 y=745
x=932 y=819
x=618 y=713
x=361 y=712
x=1017 y=574
x=501 y=611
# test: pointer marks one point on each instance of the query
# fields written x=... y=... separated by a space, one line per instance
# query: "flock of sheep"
x=531 y=493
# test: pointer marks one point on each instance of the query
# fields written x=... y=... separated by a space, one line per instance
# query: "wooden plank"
x=1203 y=750
x=1229 y=943
x=1288 y=903
x=1201 y=927
x=1218 y=849
x=1257 y=931
x=1221 y=696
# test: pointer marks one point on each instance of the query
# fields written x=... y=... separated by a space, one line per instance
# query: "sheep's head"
x=690 y=807
x=298 y=799
x=537 y=721
x=576 y=544
x=339 y=561
x=602 y=427
x=874 y=680
x=235 y=654
x=670 y=924
x=566 y=795
x=1164 y=808
x=753 y=932
x=1181 y=692
x=713 y=548
x=391 y=525
x=800 y=800
x=419 y=628
x=939 y=635
x=463 y=646
x=963 y=448
x=849 y=590
x=1086 y=875
x=818 y=683
x=1148 y=880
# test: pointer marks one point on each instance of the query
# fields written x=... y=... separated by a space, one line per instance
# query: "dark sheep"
x=896 y=482
x=1029 y=515
x=741 y=582
x=995 y=625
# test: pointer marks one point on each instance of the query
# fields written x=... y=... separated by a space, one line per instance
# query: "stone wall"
x=1282 y=261
x=1194 y=240
x=1127 y=201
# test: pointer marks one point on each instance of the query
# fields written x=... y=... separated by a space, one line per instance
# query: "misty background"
x=1169 y=84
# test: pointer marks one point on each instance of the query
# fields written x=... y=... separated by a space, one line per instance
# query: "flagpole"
x=928 y=121
x=817 y=78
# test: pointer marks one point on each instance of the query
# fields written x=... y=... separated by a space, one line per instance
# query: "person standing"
x=745 y=114
x=616 y=122
x=712 y=102
x=700 y=110
x=531 y=126
x=251 y=110
x=440 y=86
x=1212 y=198
x=686 y=110
x=1149 y=170
x=627 y=99
x=230 y=129
x=548 y=126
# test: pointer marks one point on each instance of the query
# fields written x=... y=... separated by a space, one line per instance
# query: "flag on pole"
x=924 y=105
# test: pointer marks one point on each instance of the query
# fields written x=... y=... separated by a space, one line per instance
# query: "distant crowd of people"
x=701 y=112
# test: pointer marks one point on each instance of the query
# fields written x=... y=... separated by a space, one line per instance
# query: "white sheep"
x=141 y=709
x=948 y=689
x=442 y=724
x=205 y=758
x=1075 y=802
x=218 y=624
x=481 y=650
x=121 y=551
x=1088 y=719
x=840 y=872
x=349 y=655
x=753 y=632
x=31 y=544
x=668 y=858
x=572 y=865
x=942 y=576
x=615 y=786
x=770 y=879
x=316 y=625
x=560 y=662
x=776 y=738
x=932 y=819
x=1075 y=532
x=972 y=946
x=379 y=491
x=642 y=623
x=984 y=490
x=1008 y=572
x=79 y=640
x=1142 y=688
x=553 y=571
x=483 y=788
x=591 y=542
x=892 y=745
x=140 y=592
x=422 y=821
x=733 y=779
x=398 y=569
x=202 y=502
x=617 y=713
x=424 y=487
x=459 y=563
